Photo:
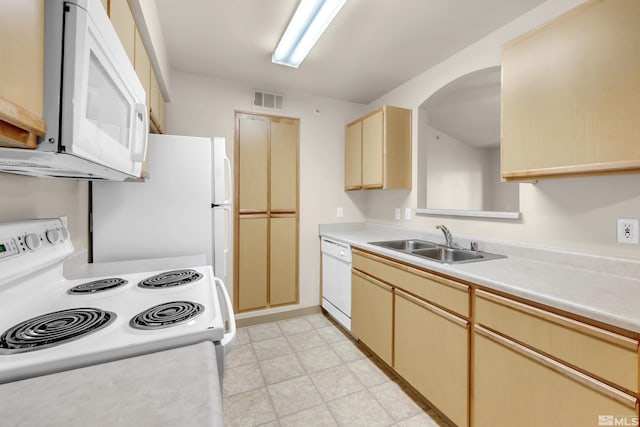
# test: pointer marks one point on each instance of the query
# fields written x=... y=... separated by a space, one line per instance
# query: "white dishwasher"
x=336 y=281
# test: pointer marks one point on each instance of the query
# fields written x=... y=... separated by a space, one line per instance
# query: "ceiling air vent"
x=272 y=101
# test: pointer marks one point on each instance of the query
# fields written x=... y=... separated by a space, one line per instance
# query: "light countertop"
x=581 y=284
x=175 y=387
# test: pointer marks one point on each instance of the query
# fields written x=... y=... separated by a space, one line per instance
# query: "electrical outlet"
x=339 y=212
x=397 y=214
x=407 y=213
x=628 y=231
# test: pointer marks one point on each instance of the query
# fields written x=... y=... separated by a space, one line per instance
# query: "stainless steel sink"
x=448 y=254
x=437 y=252
x=405 y=245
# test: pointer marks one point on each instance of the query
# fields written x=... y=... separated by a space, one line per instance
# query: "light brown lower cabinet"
x=372 y=314
x=431 y=353
x=514 y=385
x=525 y=366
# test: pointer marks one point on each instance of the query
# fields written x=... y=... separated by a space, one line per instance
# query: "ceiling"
x=468 y=108
x=371 y=47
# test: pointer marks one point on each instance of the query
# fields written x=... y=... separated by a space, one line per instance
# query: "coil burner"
x=97 y=286
x=53 y=328
x=167 y=315
x=170 y=279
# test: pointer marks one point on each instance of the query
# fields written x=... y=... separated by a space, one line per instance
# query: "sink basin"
x=405 y=245
x=448 y=254
x=436 y=252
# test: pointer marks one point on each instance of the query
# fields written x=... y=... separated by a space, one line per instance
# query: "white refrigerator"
x=182 y=209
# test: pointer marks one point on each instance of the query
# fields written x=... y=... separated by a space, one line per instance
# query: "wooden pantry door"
x=266 y=211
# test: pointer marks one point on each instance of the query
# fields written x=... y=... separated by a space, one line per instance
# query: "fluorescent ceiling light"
x=309 y=21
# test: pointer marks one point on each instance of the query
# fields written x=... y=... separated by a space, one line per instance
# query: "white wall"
x=23 y=197
x=455 y=172
x=574 y=213
x=202 y=106
x=504 y=195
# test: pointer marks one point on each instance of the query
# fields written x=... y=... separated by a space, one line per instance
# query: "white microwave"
x=94 y=103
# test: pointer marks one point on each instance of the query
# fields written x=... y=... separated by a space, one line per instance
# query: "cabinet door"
x=252 y=262
x=252 y=139
x=517 y=386
x=157 y=113
x=353 y=157
x=21 y=72
x=570 y=94
x=284 y=166
x=431 y=353
x=373 y=150
x=142 y=66
x=372 y=314
x=283 y=260
x=124 y=24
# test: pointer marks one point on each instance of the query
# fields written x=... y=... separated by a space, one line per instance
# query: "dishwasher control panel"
x=341 y=251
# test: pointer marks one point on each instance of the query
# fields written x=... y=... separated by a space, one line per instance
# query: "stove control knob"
x=53 y=236
x=32 y=241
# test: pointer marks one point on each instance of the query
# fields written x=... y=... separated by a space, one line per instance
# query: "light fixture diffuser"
x=309 y=21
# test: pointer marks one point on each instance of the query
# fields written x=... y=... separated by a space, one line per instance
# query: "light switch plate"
x=397 y=214
x=339 y=212
x=627 y=231
x=407 y=213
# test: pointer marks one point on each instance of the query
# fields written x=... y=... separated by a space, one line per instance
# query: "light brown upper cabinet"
x=157 y=110
x=353 y=156
x=124 y=24
x=266 y=211
x=570 y=103
x=21 y=72
x=142 y=66
x=378 y=150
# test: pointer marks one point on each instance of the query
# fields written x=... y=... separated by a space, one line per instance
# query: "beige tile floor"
x=306 y=372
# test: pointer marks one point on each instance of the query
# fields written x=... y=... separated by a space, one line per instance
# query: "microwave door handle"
x=141 y=134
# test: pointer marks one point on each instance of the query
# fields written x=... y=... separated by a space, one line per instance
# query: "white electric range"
x=49 y=323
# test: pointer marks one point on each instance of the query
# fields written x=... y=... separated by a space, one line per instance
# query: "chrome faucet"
x=447 y=235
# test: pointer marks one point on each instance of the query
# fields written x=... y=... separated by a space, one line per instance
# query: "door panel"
x=283 y=261
x=252 y=260
x=284 y=166
x=353 y=157
x=373 y=151
x=253 y=135
x=372 y=314
x=431 y=353
x=517 y=386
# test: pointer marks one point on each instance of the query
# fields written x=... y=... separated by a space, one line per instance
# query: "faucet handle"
x=474 y=246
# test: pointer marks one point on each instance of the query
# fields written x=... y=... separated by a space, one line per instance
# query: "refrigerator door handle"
x=228 y=230
x=230 y=336
x=228 y=179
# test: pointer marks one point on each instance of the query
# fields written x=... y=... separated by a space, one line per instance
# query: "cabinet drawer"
x=446 y=293
x=607 y=355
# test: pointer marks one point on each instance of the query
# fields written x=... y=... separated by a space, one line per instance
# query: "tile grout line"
x=384 y=370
